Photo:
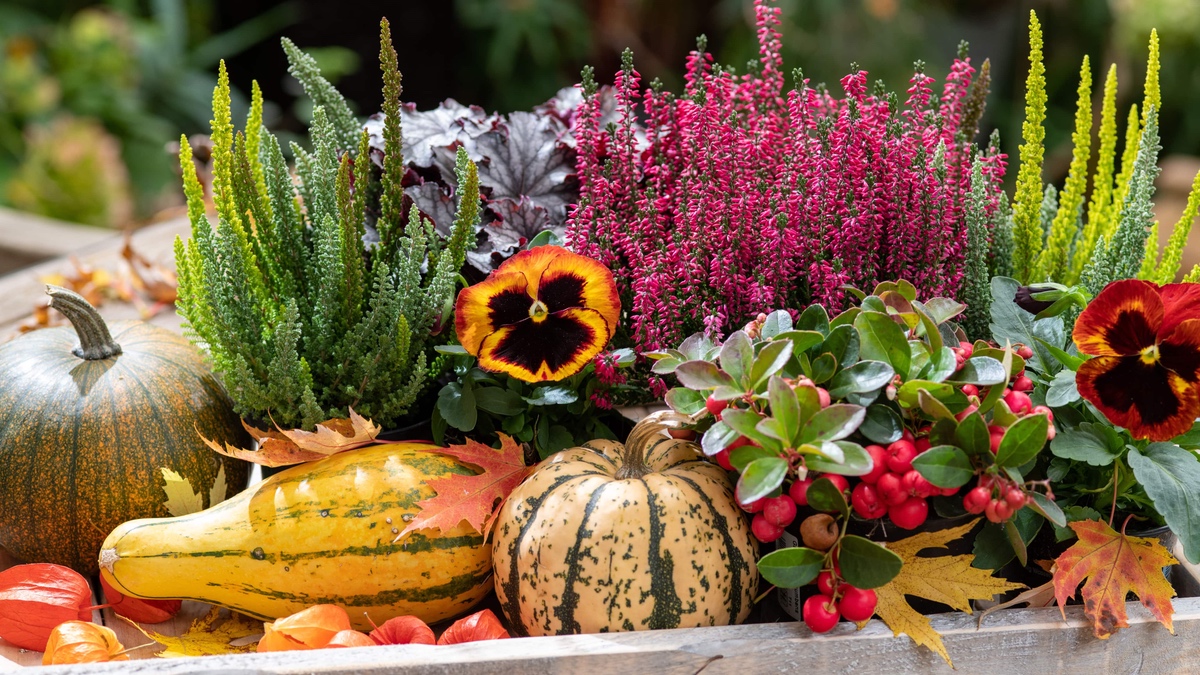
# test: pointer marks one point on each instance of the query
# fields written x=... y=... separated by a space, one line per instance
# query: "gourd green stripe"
x=456 y=586
x=413 y=544
x=565 y=610
x=736 y=562
x=667 y=605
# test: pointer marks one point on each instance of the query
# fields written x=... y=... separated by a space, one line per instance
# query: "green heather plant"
x=303 y=318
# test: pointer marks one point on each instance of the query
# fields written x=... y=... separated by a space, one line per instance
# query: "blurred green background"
x=92 y=94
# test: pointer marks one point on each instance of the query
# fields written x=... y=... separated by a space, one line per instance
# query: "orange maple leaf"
x=1114 y=564
x=472 y=498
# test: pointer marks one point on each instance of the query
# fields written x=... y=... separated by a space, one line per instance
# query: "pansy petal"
x=573 y=280
x=1181 y=302
x=500 y=300
x=1180 y=352
x=1121 y=321
x=552 y=349
x=1145 y=398
x=532 y=263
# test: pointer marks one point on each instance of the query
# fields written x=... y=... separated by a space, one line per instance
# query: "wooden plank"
x=40 y=237
x=1021 y=640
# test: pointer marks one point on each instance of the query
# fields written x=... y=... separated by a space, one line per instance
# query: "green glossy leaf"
x=717 y=438
x=1049 y=510
x=499 y=401
x=737 y=357
x=814 y=318
x=908 y=392
x=918 y=359
x=843 y=344
x=1010 y=322
x=1070 y=361
x=933 y=407
x=773 y=357
x=866 y=564
x=942 y=310
x=873 y=303
x=456 y=403
x=740 y=457
x=777 y=322
x=862 y=377
x=833 y=423
x=941 y=366
x=846 y=318
x=1022 y=441
x=742 y=421
x=684 y=401
x=702 y=375
x=802 y=340
x=784 y=407
x=823 y=368
x=553 y=395
x=882 y=424
x=760 y=478
x=930 y=328
x=791 y=567
x=695 y=347
x=980 y=370
x=856 y=461
x=454 y=350
x=992 y=548
x=1171 y=477
x=823 y=495
x=665 y=365
x=972 y=436
x=945 y=466
x=1016 y=542
x=881 y=339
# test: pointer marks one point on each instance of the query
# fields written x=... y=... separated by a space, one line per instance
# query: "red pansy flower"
x=542 y=315
x=1146 y=342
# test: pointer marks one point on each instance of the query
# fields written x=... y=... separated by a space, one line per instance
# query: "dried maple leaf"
x=471 y=498
x=280 y=447
x=137 y=609
x=35 y=598
x=82 y=642
x=482 y=625
x=182 y=499
x=310 y=628
x=206 y=638
x=948 y=579
x=1114 y=564
x=403 y=630
x=157 y=282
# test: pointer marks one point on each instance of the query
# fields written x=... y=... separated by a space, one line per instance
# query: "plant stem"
x=95 y=342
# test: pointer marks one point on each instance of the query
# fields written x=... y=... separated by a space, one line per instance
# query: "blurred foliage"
x=119 y=77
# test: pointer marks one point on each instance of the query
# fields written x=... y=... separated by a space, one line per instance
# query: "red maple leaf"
x=472 y=498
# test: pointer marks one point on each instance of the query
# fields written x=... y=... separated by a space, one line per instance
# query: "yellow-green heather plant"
x=1027 y=202
x=304 y=314
x=1102 y=183
x=1172 y=256
x=1052 y=262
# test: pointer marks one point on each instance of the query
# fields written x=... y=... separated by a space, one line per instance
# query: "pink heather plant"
x=737 y=197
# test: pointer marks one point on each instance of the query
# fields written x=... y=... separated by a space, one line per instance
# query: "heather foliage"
x=739 y=195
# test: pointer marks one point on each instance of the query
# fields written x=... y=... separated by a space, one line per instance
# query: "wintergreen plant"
x=304 y=314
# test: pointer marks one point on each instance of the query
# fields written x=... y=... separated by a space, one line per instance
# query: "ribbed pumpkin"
x=88 y=418
x=607 y=537
x=318 y=533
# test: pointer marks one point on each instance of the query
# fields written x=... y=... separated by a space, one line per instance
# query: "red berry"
x=967 y=348
x=754 y=506
x=1051 y=432
x=1043 y=410
x=1015 y=497
x=995 y=438
x=857 y=604
x=970 y=390
x=1018 y=402
x=989 y=511
x=891 y=488
x=765 y=530
x=909 y=514
x=820 y=613
x=900 y=456
x=923 y=443
x=715 y=406
x=977 y=499
x=866 y=501
x=722 y=459
x=948 y=492
x=741 y=440
x=1025 y=352
x=823 y=397
x=907 y=435
x=799 y=491
x=966 y=411
x=879 y=465
x=780 y=510
x=839 y=482
x=1023 y=383
x=825 y=583
x=1003 y=509
x=916 y=485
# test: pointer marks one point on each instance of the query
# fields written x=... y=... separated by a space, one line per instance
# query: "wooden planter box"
x=1026 y=641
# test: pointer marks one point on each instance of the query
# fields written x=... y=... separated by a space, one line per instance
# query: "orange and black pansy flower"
x=542 y=315
x=1145 y=340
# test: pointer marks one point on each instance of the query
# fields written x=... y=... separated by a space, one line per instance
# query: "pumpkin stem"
x=95 y=342
x=633 y=463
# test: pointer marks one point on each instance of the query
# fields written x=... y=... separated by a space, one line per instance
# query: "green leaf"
x=866 y=564
x=813 y=318
x=802 y=340
x=1049 y=510
x=833 y=423
x=992 y=548
x=737 y=357
x=843 y=344
x=908 y=392
x=846 y=318
x=1022 y=441
x=741 y=457
x=717 y=438
x=553 y=395
x=980 y=370
x=856 y=461
x=791 y=567
x=941 y=366
x=1062 y=391
x=823 y=495
x=456 y=403
x=1016 y=542
x=702 y=375
x=942 y=310
x=773 y=357
x=455 y=350
x=1097 y=444
x=933 y=407
x=972 y=436
x=930 y=328
x=499 y=401
x=696 y=347
x=665 y=365
x=1010 y=322
x=777 y=322
x=760 y=478
x=1070 y=361
x=785 y=408
x=823 y=368
x=685 y=401
x=860 y=378
x=742 y=421
x=945 y=466
x=882 y=424
x=560 y=439
x=1171 y=477
x=882 y=339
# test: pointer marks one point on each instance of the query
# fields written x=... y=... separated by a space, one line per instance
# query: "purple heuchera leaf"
x=448 y=125
x=434 y=204
x=524 y=158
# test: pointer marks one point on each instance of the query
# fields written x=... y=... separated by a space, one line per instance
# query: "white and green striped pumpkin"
x=607 y=537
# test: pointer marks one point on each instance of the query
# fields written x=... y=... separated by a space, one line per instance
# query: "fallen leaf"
x=482 y=625
x=82 y=642
x=1041 y=596
x=137 y=609
x=157 y=282
x=947 y=579
x=310 y=628
x=181 y=498
x=280 y=447
x=36 y=598
x=206 y=638
x=471 y=498
x=1114 y=564
x=403 y=630
x=351 y=638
